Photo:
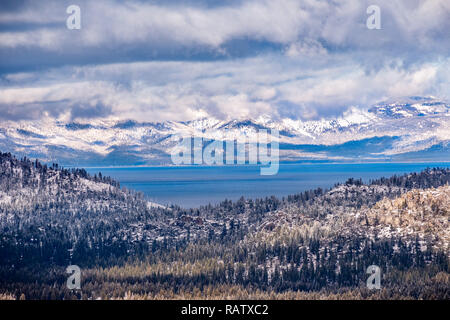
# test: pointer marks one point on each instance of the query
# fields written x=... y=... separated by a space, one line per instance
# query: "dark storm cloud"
x=86 y=111
x=30 y=111
x=35 y=110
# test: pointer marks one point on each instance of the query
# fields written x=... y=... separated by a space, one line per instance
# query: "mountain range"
x=406 y=129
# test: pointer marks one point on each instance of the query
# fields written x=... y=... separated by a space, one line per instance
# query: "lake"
x=192 y=186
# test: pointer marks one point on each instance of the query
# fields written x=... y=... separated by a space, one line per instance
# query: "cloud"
x=89 y=111
x=142 y=30
x=245 y=88
x=180 y=60
x=305 y=48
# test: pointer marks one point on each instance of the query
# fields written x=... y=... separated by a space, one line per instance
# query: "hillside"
x=317 y=240
x=422 y=212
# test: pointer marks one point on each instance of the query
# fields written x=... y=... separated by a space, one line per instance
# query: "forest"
x=315 y=244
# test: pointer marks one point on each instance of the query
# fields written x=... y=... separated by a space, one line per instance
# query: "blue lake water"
x=193 y=186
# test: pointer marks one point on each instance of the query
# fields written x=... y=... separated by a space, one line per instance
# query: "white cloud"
x=305 y=48
x=322 y=58
x=245 y=88
x=288 y=22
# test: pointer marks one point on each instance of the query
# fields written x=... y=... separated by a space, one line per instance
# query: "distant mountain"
x=414 y=128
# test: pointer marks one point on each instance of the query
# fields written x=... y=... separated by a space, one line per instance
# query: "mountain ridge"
x=398 y=130
x=317 y=240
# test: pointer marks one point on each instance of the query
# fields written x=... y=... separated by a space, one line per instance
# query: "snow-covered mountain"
x=415 y=128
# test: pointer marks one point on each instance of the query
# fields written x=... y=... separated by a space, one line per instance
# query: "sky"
x=175 y=60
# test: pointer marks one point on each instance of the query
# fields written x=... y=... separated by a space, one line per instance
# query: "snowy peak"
x=411 y=107
x=381 y=132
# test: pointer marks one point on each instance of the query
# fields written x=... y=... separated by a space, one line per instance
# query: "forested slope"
x=314 y=244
